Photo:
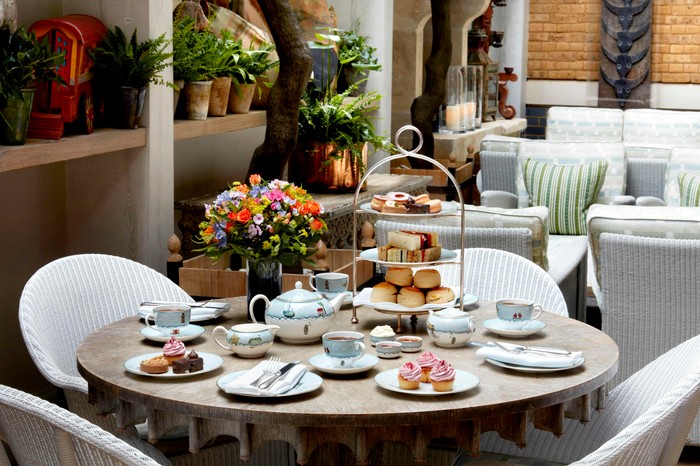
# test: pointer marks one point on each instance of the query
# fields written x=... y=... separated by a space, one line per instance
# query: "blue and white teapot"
x=302 y=316
x=450 y=327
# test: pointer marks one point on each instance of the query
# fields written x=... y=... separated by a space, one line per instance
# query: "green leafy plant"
x=196 y=54
x=119 y=61
x=24 y=60
x=354 y=50
x=244 y=65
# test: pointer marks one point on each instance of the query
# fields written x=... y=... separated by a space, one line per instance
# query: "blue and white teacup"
x=329 y=284
x=343 y=347
x=515 y=314
x=169 y=319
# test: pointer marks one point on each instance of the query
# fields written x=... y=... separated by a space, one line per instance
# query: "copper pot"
x=315 y=167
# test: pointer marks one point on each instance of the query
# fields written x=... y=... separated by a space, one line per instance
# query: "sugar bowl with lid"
x=450 y=327
x=302 y=316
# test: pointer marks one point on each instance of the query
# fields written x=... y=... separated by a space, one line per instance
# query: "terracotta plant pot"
x=197 y=99
x=15 y=118
x=219 y=96
x=240 y=97
x=313 y=167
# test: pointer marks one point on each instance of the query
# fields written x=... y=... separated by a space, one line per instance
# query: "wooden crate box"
x=200 y=276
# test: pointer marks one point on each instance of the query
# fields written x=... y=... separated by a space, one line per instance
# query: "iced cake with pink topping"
x=442 y=376
x=174 y=349
x=426 y=361
x=409 y=376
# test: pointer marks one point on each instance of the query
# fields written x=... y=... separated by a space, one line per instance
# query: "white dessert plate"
x=516 y=367
x=363 y=299
x=211 y=362
x=187 y=333
x=308 y=383
x=373 y=255
x=496 y=326
x=324 y=364
x=389 y=380
x=447 y=208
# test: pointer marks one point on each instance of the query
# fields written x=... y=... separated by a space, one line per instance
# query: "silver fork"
x=269 y=370
x=527 y=349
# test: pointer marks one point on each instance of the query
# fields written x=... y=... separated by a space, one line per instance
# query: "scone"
x=399 y=276
x=410 y=296
x=426 y=279
x=439 y=295
x=173 y=349
x=383 y=292
x=426 y=361
x=442 y=376
x=409 y=376
x=155 y=365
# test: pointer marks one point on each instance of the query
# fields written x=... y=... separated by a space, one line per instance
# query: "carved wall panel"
x=625 y=59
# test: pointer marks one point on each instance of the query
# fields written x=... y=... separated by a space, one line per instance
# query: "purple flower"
x=258 y=219
x=254 y=230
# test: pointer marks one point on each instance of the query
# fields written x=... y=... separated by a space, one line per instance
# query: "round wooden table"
x=351 y=409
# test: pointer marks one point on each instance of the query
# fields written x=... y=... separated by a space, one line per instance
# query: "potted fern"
x=24 y=61
x=123 y=68
x=334 y=139
x=250 y=65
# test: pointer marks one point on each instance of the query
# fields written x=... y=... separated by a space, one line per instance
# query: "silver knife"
x=522 y=348
x=268 y=383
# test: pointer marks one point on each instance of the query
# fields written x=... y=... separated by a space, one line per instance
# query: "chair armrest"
x=650 y=201
x=502 y=199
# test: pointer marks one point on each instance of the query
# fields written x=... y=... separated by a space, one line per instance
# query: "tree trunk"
x=427 y=105
x=270 y=158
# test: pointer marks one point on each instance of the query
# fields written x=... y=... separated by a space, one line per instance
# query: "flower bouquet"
x=268 y=223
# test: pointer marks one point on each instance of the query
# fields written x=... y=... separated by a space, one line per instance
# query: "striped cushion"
x=567 y=190
x=690 y=189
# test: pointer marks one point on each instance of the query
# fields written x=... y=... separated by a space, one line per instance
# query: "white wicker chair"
x=69 y=298
x=648 y=298
x=645 y=421
x=41 y=433
x=492 y=274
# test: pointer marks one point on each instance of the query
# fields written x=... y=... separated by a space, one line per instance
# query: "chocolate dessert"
x=191 y=363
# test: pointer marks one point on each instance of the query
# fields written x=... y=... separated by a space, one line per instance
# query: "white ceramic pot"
x=247 y=340
x=450 y=327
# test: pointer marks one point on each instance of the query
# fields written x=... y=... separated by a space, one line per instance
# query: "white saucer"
x=187 y=333
x=324 y=364
x=516 y=367
x=496 y=326
x=463 y=381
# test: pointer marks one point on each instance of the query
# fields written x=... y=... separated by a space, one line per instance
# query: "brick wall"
x=564 y=42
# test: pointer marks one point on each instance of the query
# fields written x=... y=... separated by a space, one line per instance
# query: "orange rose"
x=243 y=216
x=314 y=207
x=316 y=224
x=255 y=179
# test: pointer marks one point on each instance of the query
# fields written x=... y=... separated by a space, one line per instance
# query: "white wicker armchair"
x=493 y=274
x=41 y=433
x=645 y=421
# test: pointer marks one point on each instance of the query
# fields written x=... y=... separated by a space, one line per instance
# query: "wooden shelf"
x=45 y=151
x=188 y=129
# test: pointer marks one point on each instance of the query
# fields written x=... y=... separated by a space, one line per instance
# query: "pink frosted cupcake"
x=409 y=376
x=174 y=349
x=442 y=377
x=426 y=361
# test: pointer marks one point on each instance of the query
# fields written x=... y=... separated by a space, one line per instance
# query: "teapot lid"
x=451 y=313
x=299 y=295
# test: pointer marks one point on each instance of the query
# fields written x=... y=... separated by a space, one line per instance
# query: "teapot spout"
x=337 y=302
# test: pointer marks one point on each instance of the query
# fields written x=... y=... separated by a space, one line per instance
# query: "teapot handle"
x=217 y=330
x=252 y=303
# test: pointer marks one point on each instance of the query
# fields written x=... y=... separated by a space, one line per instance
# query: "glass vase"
x=452 y=111
x=264 y=277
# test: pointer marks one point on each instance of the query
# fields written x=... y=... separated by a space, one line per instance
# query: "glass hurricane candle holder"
x=477 y=72
x=452 y=111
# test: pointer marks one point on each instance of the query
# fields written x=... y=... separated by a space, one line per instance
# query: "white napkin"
x=242 y=385
x=528 y=358
x=211 y=310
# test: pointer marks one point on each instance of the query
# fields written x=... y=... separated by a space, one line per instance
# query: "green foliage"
x=354 y=50
x=197 y=55
x=23 y=61
x=245 y=65
x=121 y=62
x=340 y=119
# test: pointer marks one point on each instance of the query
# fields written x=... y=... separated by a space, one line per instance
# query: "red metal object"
x=54 y=104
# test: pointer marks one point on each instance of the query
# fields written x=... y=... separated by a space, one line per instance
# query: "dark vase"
x=264 y=277
x=130 y=106
x=350 y=75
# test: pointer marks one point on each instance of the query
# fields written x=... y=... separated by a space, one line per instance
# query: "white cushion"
x=585 y=124
x=652 y=126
